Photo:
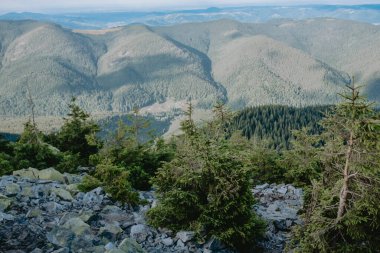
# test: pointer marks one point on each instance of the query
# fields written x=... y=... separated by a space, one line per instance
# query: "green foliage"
x=89 y=183
x=126 y=149
x=77 y=135
x=302 y=161
x=126 y=163
x=274 y=123
x=68 y=162
x=32 y=151
x=267 y=166
x=343 y=211
x=6 y=152
x=206 y=187
x=6 y=166
x=116 y=182
x=76 y=139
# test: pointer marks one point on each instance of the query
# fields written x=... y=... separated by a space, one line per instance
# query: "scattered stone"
x=63 y=194
x=77 y=226
x=110 y=231
x=49 y=214
x=51 y=174
x=282 y=190
x=130 y=246
x=139 y=232
x=94 y=197
x=12 y=189
x=72 y=188
x=279 y=206
x=168 y=241
x=5 y=202
x=109 y=246
x=27 y=173
x=185 y=236
x=32 y=213
x=4 y=216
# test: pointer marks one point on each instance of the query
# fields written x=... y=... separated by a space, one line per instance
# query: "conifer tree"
x=343 y=213
x=78 y=134
x=206 y=187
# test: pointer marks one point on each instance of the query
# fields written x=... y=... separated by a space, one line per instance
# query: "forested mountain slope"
x=112 y=71
x=273 y=124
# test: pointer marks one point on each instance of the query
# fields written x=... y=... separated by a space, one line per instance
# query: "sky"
x=148 y=5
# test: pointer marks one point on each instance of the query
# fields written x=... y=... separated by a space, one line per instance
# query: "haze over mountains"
x=112 y=71
x=251 y=14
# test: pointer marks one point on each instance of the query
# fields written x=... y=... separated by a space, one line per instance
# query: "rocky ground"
x=42 y=211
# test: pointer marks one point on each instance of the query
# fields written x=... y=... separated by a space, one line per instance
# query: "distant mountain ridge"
x=251 y=14
x=111 y=71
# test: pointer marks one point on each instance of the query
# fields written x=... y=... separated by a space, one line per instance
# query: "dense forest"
x=203 y=178
x=275 y=123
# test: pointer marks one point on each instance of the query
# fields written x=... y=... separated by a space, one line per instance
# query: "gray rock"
x=62 y=250
x=93 y=197
x=32 y=213
x=12 y=189
x=185 y=236
x=77 y=226
x=180 y=244
x=37 y=250
x=63 y=194
x=109 y=246
x=27 y=173
x=5 y=202
x=168 y=241
x=262 y=187
x=139 y=232
x=110 y=231
x=130 y=246
x=8 y=217
x=283 y=190
x=51 y=174
x=214 y=244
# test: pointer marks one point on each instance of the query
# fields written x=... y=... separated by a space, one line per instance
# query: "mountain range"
x=369 y=13
x=159 y=68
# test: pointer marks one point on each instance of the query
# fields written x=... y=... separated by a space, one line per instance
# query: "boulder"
x=185 y=236
x=77 y=226
x=8 y=217
x=94 y=197
x=115 y=251
x=51 y=174
x=12 y=189
x=29 y=191
x=109 y=246
x=139 y=232
x=5 y=202
x=129 y=245
x=31 y=173
x=32 y=213
x=63 y=194
x=282 y=190
x=73 y=188
x=110 y=231
x=72 y=178
x=167 y=241
x=74 y=235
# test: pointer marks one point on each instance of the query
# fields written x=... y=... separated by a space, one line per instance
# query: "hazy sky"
x=147 y=5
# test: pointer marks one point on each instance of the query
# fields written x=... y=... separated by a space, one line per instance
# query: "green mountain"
x=111 y=71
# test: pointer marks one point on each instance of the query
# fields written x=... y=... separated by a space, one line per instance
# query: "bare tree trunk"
x=346 y=177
